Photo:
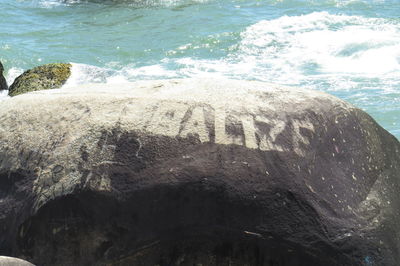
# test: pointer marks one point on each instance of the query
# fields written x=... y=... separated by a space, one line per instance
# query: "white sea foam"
x=146 y=72
x=12 y=73
x=318 y=50
x=307 y=50
x=3 y=95
x=83 y=74
x=329 y=44
x=10 y=76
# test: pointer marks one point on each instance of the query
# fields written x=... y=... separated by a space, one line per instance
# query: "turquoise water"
x=349 y=48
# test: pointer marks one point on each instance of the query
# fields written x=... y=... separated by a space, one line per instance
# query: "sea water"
x=349 y=48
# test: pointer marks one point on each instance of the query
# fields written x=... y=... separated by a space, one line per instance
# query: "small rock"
x=50 y=76
x=3 y=82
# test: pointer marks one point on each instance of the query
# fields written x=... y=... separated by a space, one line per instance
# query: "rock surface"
x=196 y=172
x=50 y=76
x=9 y=261
x=3 y=82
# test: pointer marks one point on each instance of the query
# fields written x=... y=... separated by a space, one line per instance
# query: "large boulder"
x=3 y=82
x=9 y=261
x=196 y=172
x=50 y=76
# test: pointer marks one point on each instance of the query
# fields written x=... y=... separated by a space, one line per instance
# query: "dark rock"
x=9 y=261
x=3 y=82
x=196 y=172
x=50 y=76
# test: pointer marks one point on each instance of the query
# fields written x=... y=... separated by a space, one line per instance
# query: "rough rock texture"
x=9 y=261
x=196 y=172
x=3 y=82
x=50 y=76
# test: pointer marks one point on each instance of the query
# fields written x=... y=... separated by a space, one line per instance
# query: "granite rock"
x=196 y=172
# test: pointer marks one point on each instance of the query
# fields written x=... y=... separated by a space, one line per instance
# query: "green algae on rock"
x=45 y=77
x=3 y=82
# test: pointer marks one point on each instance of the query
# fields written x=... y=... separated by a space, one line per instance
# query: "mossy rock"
x=50 y=76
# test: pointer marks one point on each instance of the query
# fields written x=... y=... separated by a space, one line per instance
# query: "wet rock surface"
x=3 y=82
x=45 y=77
x=204 y=172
